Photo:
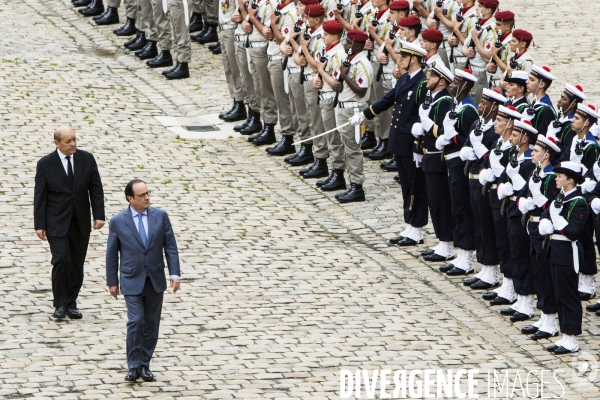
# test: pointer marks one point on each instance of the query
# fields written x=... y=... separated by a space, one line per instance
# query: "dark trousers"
x=519 y=251
x=540 y=271
x=462 y=212
x=143 y=322
x=416 y=217
x=483 y=226
x=568 y=303
x=68 y=257
x=440 y=205
x=503 y=244
x=588 y=265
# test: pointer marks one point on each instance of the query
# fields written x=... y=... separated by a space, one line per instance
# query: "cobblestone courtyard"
x=281 y=286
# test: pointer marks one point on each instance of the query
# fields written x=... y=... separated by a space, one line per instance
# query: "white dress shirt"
x=65 y=163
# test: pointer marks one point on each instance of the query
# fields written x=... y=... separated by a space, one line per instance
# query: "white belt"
x=350 y=104
x=228 y=26
x=294 y=70
x=309 y=77
x=534 y=219
x=477 y=69
x=327 y=95
x=239 y=38
x=473 y=176
x=387 y=77
x=275 y=58
x=452 y=155
x=425 y=151
x=563 y=238
x=258 y=44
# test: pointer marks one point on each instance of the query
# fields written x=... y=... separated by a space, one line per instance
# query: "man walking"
x=66 y=182
x=137 y=237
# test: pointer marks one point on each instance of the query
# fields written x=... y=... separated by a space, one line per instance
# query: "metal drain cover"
x=202 y=128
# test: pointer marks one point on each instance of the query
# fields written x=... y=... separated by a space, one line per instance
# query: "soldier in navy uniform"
x=541 y=190
x=515 y=89
x=435 y=171
x=405 y=98
x=592 y=177
x=482 y=138
x=566 y=107
x=564 y=221
x=512 y=183
x=541 y=111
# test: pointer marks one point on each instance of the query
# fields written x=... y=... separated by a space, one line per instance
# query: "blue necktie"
x=141 y=229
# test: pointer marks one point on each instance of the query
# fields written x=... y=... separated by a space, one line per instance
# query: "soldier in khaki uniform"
x=179 y=14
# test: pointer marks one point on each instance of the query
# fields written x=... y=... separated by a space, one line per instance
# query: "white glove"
x=486 y=176
x=425 y=120
x=505 y=190
x=525 y=204
x=573 y=156
x=357 y=119
x=417 y=158
x=417 y=129
x=449 y=130
x=480 y=150
x=474 y=138
x=588 y=185
x=558 y=220
x=467 y=154
x=545 y=227
x=596 y=205
x=495 y=164
x=553 y=132
x=539 y=199
x=597 y=171
x=535 y=187
x=441 y=142
x=512 y=172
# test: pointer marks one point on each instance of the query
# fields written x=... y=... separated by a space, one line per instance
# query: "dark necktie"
x=69 y=170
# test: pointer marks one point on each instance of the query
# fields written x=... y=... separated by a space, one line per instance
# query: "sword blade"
x=186 y=13
x=322 y=134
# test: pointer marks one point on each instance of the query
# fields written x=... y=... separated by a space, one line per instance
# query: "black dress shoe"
x=326 y=180
x=282 y=148
x=163 y=59
x=304 y=156
x=127 y=29
x=319 y=169
x=196 y=23
x=396 y=239
x=181 y=71
x=542 y=335
x=110 y=17
x=516 y=317
x=168 y=71
x=302 y=171
x=436 y=258
x=389 y=166
x=139 y=43
x=213 y=46
x=489 y=296
x=337 y=182
x=470 y=281
x=586 y=296
x=217 y=50
x=237 y=112
x=253 y=137
x=74 y=313
x=355 y=193
x=59 y=313
x=96 y=7
x=458 y=271
x=202 y=31
x=254 y=125
x=501 y=301
x=427 y=252
x=593 y=307
x=374 y=149
x=133 y=39
x=146 y=375
x=529 y=330
x=481 y=285
x=408 y=242
x=221 y=115
x=446 y=268
x=210 y=35
x=397 y=178
x=132 y=375
x=82 y=3
x=552 y=348
x=507 y=311
x=149 y=51
x=382 y=153
x=561 y=350
x=368 y=140
x=267 y=136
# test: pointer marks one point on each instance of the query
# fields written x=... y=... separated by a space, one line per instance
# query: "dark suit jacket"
x=406 y=97
x=54 y=198
x=137 y=261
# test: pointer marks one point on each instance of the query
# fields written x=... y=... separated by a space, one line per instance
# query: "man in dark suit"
x=66 y=182
x=140 y=233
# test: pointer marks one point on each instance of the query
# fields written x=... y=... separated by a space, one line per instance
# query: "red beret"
x=503 y=16
x=522 y=34
x=314 y=10
x=409 y=22
x=399 y=5
x=308 y=2
x=357 y=35
x=433 y=35
x=489 y=3
x=333 y=27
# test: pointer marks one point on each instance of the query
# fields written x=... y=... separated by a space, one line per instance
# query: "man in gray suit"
x=141 y=233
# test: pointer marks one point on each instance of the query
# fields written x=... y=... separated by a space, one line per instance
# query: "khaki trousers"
x=283 y=99
x=181 y=33
x=161 y=31
x=379 y=124
x=210 y=9
x=334 y=142
x=259 y=68
x=242 y=62
x=298 y=106
x=233 y=76
x=145 y=18
x=316 y=121
x=130 y=7
x=352 y=152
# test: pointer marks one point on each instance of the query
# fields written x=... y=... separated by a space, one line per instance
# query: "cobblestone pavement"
x=281 y=287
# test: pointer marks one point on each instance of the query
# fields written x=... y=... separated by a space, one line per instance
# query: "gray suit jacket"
x=137 y=261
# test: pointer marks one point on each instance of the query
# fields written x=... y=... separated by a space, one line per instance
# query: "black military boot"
x=326 y=180
x=210 y=35
x=257 y=134
x=82 y=3
x=96 y=7
x=168 y=71
x=368 y=140
x=196 y=23
x=127 y=29
x=202 y=31
x=227 y=112
x=254 y=125
x=149 y=51
x=244 y=124
x=237 y=113
x=318 y=169
x=355 y=193
x=267 y=136
x=110 y=16
x=97 y=17
x=217 y=50
x=336 y=182
x=389 y=166
x=181 y=71
x=303 y=157
x=213 y=46
x=163 y=59
x=139 y=43
x=283 y=147
x=382 y=153
x=373 y=150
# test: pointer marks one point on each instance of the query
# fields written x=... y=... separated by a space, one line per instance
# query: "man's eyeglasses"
x=146 y=194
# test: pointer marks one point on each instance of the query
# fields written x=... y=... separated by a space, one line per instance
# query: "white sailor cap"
x=440 y=70
x=543 y=73
x=518 y=77
x=524 y=126
x=548 y=144
x=587 y=111
x=576 y=91
x=571 y=169
x=509 y=112
x=465 y=74
x=493 y=95
x=412 y=48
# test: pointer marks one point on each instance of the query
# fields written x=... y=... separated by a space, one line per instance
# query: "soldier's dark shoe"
x=109 y=17
x=237 y=113
x=319 y=169
x=337 y=182
x=196 y=23
x=355 y=193
x=127 y=29
x=181 y=71
x=303 y=157
x=368 y=140
x=163 y=59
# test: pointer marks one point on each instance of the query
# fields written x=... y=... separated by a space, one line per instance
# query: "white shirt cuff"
x=176 y=277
